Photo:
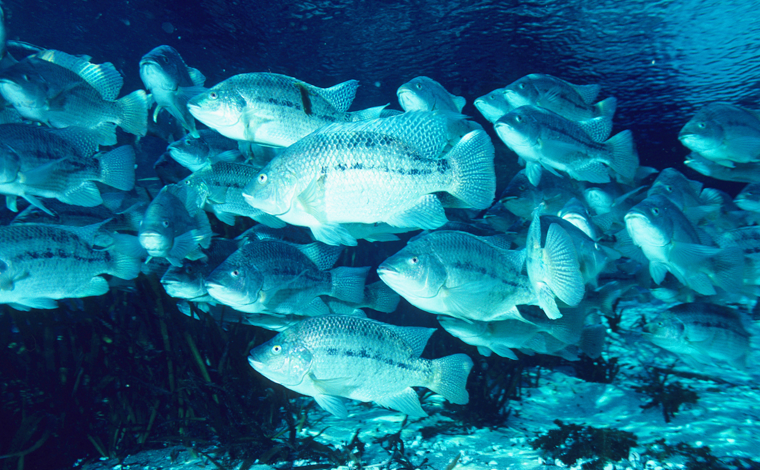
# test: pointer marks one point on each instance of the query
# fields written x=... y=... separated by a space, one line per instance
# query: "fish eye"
x=521 y=187
x=419 y=86
x=491 y=97
x=189 y=270
x=276 y=349
x=521 y=86
x=165 y=59
x=701 y=125
x=235 y=273
x=656 y=210
x=668 y=188
x=165 y=223
x=213 y=95
x=518 y=118
x=262 y=178
x=414 y=260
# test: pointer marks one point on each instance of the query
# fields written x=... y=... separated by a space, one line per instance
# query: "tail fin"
x=348 y=283
x=117 y=168
x=606 y=107
x=474 y=175
x=450 y=378
x=727 y=269
x=133 y=113
x=124 y=266
x=378 y=296
x=624 y=160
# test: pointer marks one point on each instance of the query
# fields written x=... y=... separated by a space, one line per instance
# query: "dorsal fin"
x=341 y=95
x=103 y=77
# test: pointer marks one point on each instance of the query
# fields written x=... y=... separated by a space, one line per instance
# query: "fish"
x=702 y=333
x=188 y=281
x=493 y=105
x=723 y=133
x=521 y=197
x=501 y=337
x=40 y=264
x=171 y=84
x=547 y=140
x=62 y=90
x=553 y=264
x=79 y=216
x=174 y=227
x=425 y=94
x=384 y=170
x=208 y=147
x=334 y=357
x=688 y=195
x=461 y=275
x=273 y=109
x=59 y=163
x=220 y=189
x=741 y=172
x=377 y=296
x=272 y=276
x=573 y=102
x=577 y=214
x=749 y=198
x=671 y=244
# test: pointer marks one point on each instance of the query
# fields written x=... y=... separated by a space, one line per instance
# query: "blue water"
x=662 y=60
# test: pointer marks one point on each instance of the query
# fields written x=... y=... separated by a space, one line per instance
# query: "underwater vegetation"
x=669 y=396
x=572 y=442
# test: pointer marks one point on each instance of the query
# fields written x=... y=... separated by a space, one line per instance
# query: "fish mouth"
x=154 y=243
x=385 y=269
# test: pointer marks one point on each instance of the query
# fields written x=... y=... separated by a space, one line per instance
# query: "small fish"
x=573 y=102
x=271 y=109
x=547 y=140
x=174 y=227
x=344 y=356
x=425 y=94
x=749 y=198
x=671 y=244
x=724 y=133
x=79 y=216
x=521 y=197
x=220 y=189
x=702 y=333
x=383 y=170
x=40 y=264
x=171 y=83
x=494 y=105
x=688 y=195
x=741 y=172
x=501 y=337
x=271 y=276
x=459 y=274
x=187 y=281
x=208 y=147
x=62 y=90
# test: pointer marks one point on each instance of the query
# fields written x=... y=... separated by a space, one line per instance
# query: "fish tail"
x=348 y=283
x=124 y=265
x=117 y=168
x=624 y=160
x=474 y=180
x=133 y=113
x=727 y=269
x=381 y=297
x=450 y=378
x=606 y=107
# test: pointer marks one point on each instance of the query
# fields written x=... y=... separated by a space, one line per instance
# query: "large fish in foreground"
x=724 y=133
x=382 y=170
x=546 y=140
x=338 y=356
x=62 y=90
x=273 y=109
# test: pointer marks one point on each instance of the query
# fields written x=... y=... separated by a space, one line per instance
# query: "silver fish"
x=461 y=275
x=749 y=198
x=383 y=170
x=361 y=359
x=171 y=83
x=521 y=197
x=188 y=281
x=62 y=91
x=273 y=109
x=425 y=94
x=209 y=146
x=671 y=244
x=574 y=102
x=174 y=227
x=547 y=140
x=40 y=264
x=724 y=133
x=494 y=105
x=220 y=190
x=271 y=276
x=741 y=172
x=702 y=333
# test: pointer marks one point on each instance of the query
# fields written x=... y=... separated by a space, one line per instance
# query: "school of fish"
x=534 y=269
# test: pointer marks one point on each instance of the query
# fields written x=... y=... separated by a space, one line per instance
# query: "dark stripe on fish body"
x=364 y=354
x=588 y=142
x=467 y=266
x=304 y=98
x=298 y=107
